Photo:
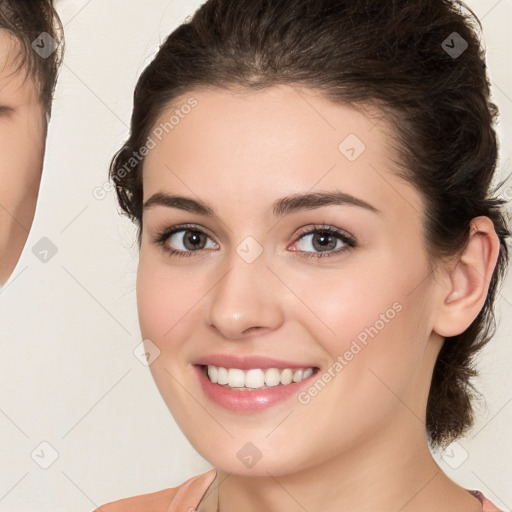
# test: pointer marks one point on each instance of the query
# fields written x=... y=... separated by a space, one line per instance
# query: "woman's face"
x=22 y=141
x=248 y=280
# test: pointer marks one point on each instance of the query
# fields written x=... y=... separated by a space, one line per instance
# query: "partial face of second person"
x=22 y=142
x=239 y=154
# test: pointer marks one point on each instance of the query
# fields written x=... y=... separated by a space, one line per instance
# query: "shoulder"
x=159 y=501
x=154 y=501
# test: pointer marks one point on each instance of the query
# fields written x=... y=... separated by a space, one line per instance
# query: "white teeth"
x=272 y=377
x=286 y=376
x=222 y=376
x=236 y=378
x=297 y=375
x=255 y=377
x=213 y=373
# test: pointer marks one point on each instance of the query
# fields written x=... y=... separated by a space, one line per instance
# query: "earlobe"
x=468 y=280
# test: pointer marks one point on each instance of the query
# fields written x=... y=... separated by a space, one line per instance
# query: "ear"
x=467 y=281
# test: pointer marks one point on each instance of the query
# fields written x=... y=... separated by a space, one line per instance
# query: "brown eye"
x=184 y=240
x=5 y=110
x=324 y=241
x=191 y=240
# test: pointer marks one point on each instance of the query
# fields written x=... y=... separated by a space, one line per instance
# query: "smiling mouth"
x=256 y=378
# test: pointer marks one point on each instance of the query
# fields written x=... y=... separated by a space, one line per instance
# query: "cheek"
x=167 y=299
x=339 y=303
x=162 y=305
x=369 y=295
x=370 y=320
x=22 y=142
x=156 y=302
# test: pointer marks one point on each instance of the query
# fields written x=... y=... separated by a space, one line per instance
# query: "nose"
x=246 y=300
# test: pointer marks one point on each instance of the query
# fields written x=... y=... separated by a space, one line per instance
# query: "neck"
x=379 y=475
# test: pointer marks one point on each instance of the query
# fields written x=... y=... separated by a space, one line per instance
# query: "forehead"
x=283 y=139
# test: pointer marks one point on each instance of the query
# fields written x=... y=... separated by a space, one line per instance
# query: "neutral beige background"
x=68 y=327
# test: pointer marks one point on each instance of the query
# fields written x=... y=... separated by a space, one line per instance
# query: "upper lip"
x=248 y=362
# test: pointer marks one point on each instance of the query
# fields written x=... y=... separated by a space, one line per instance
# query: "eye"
x=5 y=110
x=327 y=240
x=183 y=240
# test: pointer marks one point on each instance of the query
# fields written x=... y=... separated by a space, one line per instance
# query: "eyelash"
x=349 y=241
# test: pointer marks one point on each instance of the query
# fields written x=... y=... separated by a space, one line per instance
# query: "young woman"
x=320 y=249
x=31 y=48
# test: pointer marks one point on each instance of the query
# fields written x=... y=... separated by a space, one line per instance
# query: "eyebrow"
x=281 y=207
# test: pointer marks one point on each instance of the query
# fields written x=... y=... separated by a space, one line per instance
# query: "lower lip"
x=250 y=400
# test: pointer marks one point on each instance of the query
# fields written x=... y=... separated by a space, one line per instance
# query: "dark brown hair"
x=26 y=20
x=407 y=57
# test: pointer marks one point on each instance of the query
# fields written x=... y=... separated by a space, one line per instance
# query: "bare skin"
x=359 y=444
x=22 y=143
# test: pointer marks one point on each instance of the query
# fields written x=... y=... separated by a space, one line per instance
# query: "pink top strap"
x=488 y=506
